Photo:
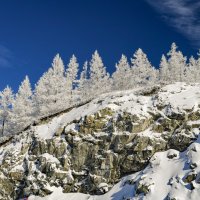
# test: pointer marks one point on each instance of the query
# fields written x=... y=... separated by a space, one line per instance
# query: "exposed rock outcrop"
x=93 y=150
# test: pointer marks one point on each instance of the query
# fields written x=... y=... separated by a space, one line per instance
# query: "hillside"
x=136 y=144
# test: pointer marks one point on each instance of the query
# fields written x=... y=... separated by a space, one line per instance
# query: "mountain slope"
x=91 y=147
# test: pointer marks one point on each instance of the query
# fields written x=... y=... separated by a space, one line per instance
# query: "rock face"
x=100 y=142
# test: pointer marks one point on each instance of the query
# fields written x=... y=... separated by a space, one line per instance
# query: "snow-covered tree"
x=72 y=82
x=99 y=78
x=142 y=71
x=197 y=69
x=72 y=72
x=84 y=73
x=177 y=64
x=6 y=100
x=83 y=83
x=50 y=94
x=22 y=114
x=193 y=69
x=121 y=77
x=164 y=70
x=191 y=73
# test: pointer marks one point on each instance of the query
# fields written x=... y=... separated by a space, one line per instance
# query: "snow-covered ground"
x=174 y=98
x=166 y=176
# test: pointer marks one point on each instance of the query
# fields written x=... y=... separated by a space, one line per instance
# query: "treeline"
x=62 y=87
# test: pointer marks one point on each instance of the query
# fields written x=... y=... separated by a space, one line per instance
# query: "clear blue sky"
x=33 y=31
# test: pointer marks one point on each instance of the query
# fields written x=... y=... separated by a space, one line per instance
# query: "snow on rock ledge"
x=102 y=141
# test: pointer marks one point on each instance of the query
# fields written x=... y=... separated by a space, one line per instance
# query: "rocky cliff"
x=91 y=147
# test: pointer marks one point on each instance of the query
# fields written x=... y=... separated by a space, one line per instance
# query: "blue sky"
x=33 y=31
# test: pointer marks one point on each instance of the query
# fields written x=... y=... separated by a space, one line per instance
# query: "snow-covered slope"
x=149 y=133
x=177 y=98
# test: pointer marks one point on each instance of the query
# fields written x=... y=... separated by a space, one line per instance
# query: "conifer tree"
x=142 y=71
x=83 y=83
x=6 y=100
x=191 y=70
x=72 y=72
x=197 y=69
x=121 y=77
x=51 y=90
x=99 y=78
x=22 y=114
x=164 y=70
x=71 y=78
x=177 y=64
